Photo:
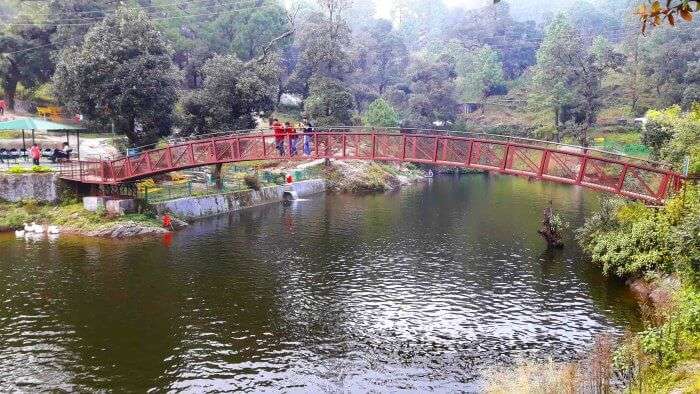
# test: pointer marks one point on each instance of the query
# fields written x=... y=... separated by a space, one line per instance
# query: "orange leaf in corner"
x=671 y=20
x=687 y=15
x=655 y=7
x=642 y=10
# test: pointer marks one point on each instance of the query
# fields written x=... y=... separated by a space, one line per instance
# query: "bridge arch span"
x=603 y=171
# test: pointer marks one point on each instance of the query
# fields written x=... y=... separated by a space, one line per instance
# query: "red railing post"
x=403 y=142
x=621 y=182
x=80 y=170
x=544 y=163
x=190 y=146
x=582 y=170
x=505 y=158
x=469 y=153
x=127 y=167
x=149 y=165
x=663 y=187
x=435 y=152
x=169 y=157
x=444 y=150
x=374 y=145
x=345 y=145
x=213 y=151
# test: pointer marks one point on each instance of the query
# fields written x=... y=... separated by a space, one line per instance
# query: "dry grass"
x=590 y=375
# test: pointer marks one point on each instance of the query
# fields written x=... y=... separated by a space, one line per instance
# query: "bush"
x=631 y=239
x=252 y=181
x=673 y=135
x=41 y=169
x=16 y=170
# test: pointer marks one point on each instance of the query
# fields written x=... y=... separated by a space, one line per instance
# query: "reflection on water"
x=417 y=290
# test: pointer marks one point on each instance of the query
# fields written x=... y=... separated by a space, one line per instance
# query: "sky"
x=384 y=6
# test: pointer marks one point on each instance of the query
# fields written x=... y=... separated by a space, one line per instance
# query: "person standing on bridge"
x=278 y=128
x=293 y=138
x=308 y=129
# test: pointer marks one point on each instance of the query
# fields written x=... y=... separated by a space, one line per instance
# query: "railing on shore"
x=630 y=177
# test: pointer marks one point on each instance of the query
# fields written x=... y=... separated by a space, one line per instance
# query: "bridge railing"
x=566 y=164
x=396 y=130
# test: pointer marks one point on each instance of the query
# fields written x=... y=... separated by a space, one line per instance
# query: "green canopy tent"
x=34 y=124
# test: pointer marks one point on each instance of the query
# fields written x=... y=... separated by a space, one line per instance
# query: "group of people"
x=56 y=155
x=284 y=130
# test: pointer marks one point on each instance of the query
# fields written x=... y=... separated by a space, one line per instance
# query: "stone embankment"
x=191 y=208
x=40 y=187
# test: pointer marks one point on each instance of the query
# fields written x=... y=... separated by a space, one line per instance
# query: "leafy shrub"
x=16 y=170
x=14 y=220
x=630 y=239
x=31 y=206
x=252 y=181
x=41 y=169
x=673 y=135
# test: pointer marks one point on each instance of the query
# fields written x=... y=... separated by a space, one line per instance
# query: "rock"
x=126 y=230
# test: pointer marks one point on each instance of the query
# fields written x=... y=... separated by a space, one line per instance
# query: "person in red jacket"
x=278 y=128
x=35 y=153
x=293 y=138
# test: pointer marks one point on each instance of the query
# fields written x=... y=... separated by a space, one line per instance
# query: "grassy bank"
x=367 y=177
x=657 y=250
x=71 y=217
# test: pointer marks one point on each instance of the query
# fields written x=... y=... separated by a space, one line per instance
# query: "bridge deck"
x=573 y=165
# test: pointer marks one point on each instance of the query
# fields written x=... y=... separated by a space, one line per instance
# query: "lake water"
x=417 y=290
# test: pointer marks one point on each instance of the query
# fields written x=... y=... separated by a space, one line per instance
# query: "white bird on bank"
x=19 y=233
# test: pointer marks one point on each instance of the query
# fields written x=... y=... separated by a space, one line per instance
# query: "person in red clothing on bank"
x=35 y=153
x=278 y=128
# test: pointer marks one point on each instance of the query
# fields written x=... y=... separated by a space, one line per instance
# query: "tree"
x=568 y=75
x=430 y=95
x=669 y=57
x=232 y=92
x=329 y=103
x=122 y=73
x=323 y=47
x=25 y=58
x=381 y=114
x=478 y=73
x=515 y=41
x=379 y=59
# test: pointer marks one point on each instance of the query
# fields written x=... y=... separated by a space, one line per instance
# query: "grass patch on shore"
x=72 y=216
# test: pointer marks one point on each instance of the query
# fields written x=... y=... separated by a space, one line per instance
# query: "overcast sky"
x=384 y=6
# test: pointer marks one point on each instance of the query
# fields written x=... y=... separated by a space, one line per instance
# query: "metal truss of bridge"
x=619 y=174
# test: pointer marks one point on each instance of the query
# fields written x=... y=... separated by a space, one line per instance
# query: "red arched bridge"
x=619 y=174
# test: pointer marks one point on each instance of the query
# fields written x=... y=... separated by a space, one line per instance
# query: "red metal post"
x=345 y=145
x=403 y=142
x=505 y=158
x=623 y=174
x=190 y=146
x=663 y=187
x=213 y=150
x=582 y=170
x=374 y=145
x=435 y=152
x=444 y=150
x=544 y=163
x=169 y=157
x=469 y=153
x=264 y=147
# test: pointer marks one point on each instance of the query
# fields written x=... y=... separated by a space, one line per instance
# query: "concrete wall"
x=198 y=207
x=41 y=187
x=308 y=188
